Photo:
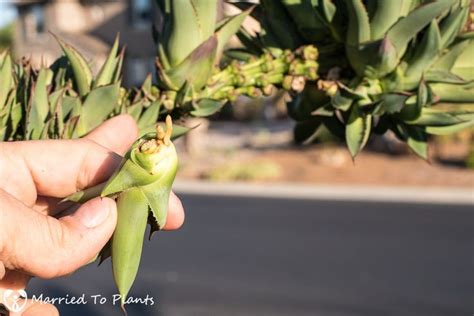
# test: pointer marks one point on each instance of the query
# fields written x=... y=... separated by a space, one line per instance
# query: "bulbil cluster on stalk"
x=262 y=75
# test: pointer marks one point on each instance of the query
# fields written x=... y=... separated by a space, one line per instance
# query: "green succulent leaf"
x=341 y=101
x=39 y=109
x=305 y=131
x=129 y=175
x=345 y=96
x=414 y=106
x=326 y=110
x=227 y=30
x=335 y=126
x=187 y=25
x=157 y=195
x=86 y=194
x=98 y=105
x=464 y=64
x=6 y=78
x=448 y=60
x=54 y=98
x=309 y=23
x=69 y=103
x=452 y=24
x=16 y=115
x=5 y=116
x=453 y=93
x=393 y=103
x=426 y=52
x=178 y=130
x=441 y=76
x=435 y=117
x=150 y=116
x=358 y=130
x=333 y=19
x=358 y=31
x=195 y=68
x=106 y=73
x=416 y=139
x=304 y=104
x=405 y=29
x=206 y=107
x=283 y=32
x=450 y=129
x=118 y=67
x=385 y=14
x=147 y=85
x=82 y=72
x=134 y=110
x=127 y=240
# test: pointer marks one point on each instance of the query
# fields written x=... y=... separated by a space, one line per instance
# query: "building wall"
x=90 y=26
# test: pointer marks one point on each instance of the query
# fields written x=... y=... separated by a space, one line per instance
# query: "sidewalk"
x=421 y=195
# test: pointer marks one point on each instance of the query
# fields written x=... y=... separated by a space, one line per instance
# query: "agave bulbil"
x=141 y=186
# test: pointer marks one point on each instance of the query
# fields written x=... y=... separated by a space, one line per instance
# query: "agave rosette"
x=383 y=65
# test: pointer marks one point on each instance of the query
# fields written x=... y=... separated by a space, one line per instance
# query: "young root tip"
x=169 y=130
x=160 y=133
x=122 y=306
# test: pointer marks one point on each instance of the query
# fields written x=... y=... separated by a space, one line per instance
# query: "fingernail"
x=94 y=213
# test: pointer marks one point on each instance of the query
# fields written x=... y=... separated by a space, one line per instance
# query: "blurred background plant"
x=6 y=36
x=245 y=171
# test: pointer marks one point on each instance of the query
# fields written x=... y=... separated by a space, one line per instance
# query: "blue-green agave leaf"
x=358 y=130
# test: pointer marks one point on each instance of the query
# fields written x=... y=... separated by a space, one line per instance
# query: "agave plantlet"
x=141 y=185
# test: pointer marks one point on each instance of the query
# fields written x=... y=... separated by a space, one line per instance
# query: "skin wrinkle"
x=8 y=176
x=84 y=180
x=37 y=177
x=58 y=237
x=81 y=177
x=27 y=167
x=6 y=246
x=2 y=236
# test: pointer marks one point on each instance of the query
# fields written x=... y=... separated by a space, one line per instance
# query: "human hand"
x=40 y=238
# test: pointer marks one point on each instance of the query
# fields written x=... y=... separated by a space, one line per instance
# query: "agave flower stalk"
x=253 y=77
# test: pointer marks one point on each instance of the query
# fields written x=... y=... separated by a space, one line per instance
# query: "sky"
x=7 y=13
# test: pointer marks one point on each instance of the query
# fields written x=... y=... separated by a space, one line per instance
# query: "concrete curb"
x=422 y=195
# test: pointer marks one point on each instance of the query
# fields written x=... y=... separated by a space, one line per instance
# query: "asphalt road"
x=255 y=256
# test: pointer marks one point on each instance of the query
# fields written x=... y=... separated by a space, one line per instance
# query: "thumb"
x=47 y=247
